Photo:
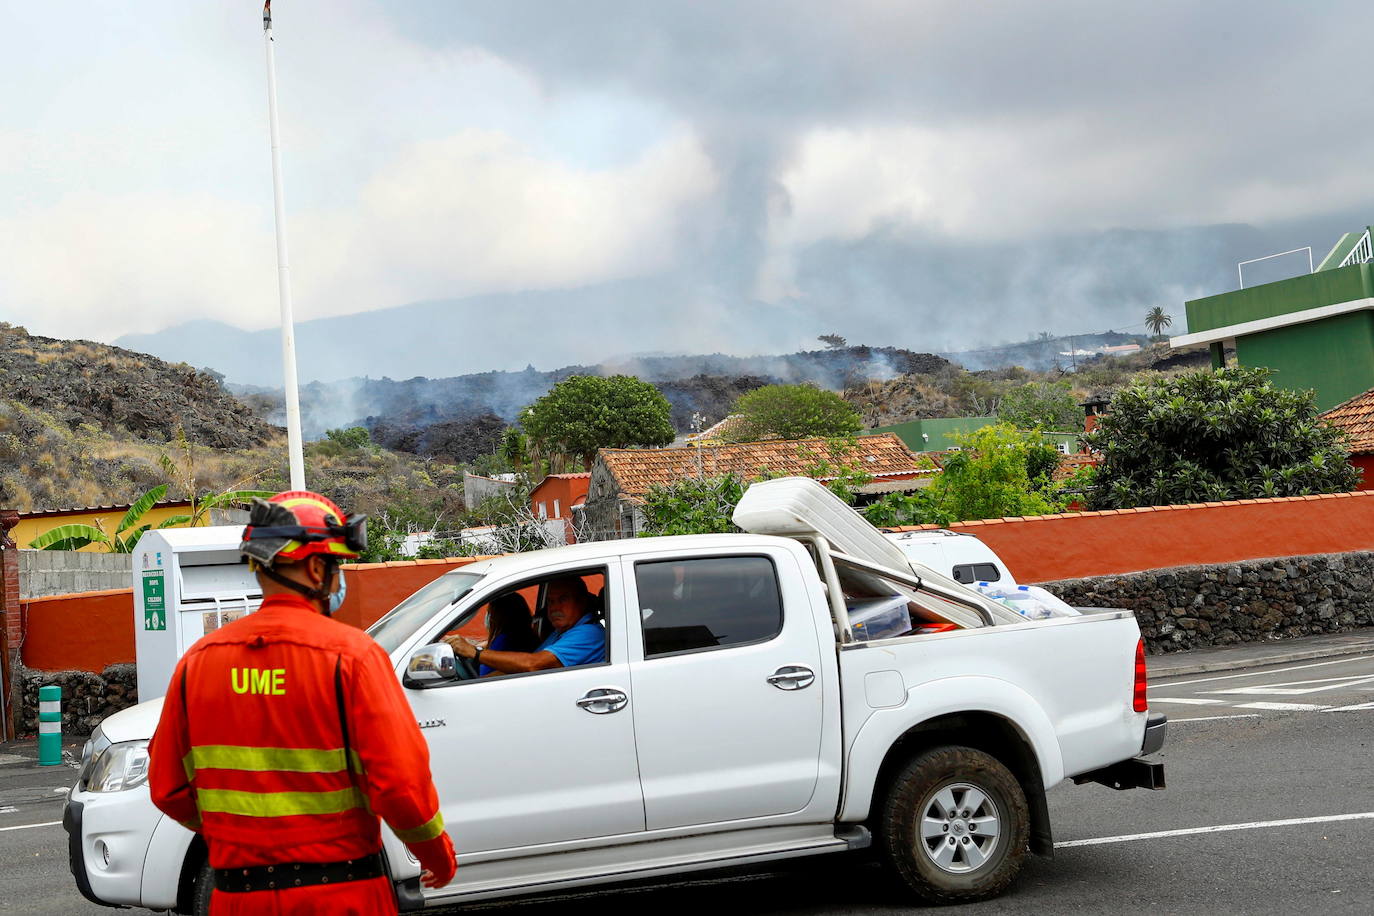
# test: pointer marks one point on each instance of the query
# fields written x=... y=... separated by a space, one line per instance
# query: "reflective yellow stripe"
x=259 y=759
x=277 y=804
x=426 y=831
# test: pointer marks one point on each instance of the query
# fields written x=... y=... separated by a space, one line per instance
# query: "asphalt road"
x=1270 y=809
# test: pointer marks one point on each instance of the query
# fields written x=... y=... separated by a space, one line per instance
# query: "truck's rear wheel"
x=954 y=825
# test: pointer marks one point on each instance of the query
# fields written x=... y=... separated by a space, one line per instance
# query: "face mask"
x=336 y=600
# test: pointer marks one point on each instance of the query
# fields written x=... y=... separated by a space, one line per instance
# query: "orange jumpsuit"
x=283 y=737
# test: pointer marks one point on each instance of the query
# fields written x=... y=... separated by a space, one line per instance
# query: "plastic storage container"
x=1030 y=601
x=879 y=618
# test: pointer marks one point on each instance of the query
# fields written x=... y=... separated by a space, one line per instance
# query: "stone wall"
x=67 y=572
x=86 y=698
x=1189 y=607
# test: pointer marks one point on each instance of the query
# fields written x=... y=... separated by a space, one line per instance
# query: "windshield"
x=398 y=625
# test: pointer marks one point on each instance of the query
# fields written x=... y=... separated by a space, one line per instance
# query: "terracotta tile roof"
x=637 y=469
x=1356 y=418
x=728 y=426
x=1069 y=464
x=86 y=510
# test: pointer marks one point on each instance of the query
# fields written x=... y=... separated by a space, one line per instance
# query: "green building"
x=938 y=435
x=1315 y=331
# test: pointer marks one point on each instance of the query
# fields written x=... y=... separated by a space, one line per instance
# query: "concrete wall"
x=1333 y=357
x=64 y=572
x=1195 y=606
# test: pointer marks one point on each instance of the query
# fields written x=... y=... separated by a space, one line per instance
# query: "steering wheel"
x=467 y=668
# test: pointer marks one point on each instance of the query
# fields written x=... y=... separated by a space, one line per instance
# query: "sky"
x=913 y=173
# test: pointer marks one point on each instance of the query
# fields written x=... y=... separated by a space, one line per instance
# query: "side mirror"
x=431 y=664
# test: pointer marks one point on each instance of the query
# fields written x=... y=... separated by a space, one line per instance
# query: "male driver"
x=577 y=638
x=285 y=734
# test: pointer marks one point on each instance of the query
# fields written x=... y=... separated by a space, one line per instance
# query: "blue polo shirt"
x=583 y=643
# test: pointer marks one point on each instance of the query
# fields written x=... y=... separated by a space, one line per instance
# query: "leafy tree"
x=793 y=412
x=1044 y=405
x=515 y=448
x=584 y=413
x=353 y=437
x=833 y=341
x=1157 y=321
x=1207 y=436
x=696 y=505
x=999 y=471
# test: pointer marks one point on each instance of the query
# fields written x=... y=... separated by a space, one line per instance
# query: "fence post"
x=49 y=725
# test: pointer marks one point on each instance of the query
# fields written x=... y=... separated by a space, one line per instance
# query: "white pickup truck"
x=741 y=716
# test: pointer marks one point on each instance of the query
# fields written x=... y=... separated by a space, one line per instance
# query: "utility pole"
x=288 y=327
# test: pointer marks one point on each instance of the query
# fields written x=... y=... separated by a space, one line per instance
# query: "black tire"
x=201 y=889
x=975 y=866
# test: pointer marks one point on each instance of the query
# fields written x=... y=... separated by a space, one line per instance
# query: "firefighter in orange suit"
x=284 y=735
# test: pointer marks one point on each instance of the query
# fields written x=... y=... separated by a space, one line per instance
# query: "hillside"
x=85 y=424
x=460 y=417
x=122 y=393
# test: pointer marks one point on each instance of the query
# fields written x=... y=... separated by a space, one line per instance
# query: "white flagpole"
x=288 y=327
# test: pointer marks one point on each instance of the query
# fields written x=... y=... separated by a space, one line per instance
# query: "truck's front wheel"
x=202 y=890
x=954 y=825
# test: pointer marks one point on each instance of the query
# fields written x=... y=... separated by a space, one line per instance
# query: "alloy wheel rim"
x=959 y=829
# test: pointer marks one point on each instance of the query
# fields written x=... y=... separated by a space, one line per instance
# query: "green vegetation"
x=999 y=471
x=353 y=437
x=1042 y=405
x=1207 y=436
x=585 y=412
x=793 y=412
x=74 y=537
x=697 y=505
x=1157 y=321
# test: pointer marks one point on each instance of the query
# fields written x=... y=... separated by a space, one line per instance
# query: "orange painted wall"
x=1074 y=545
x=88 y=632
x=1365 y=465
x=93 y=630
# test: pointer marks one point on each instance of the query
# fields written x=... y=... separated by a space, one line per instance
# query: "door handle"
x=604 y=700
x=792 y=677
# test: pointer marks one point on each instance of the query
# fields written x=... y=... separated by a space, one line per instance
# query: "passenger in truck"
x=509 y=628
x=577 y=638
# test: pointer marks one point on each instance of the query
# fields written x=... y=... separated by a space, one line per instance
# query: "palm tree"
x=1157 y=321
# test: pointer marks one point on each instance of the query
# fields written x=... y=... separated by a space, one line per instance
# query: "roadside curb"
x=1237 y=664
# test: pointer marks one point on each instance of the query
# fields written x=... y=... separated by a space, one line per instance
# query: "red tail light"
x=1140 y=703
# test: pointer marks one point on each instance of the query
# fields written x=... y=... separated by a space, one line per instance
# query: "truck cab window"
x=709 y=603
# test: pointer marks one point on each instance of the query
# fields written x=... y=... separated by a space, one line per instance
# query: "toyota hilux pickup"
x=794 y=690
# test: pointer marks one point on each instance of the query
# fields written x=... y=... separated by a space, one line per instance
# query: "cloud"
x=479 y=212
x=803 y=152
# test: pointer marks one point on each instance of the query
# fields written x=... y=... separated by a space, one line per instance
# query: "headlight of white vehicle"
x=119 y=767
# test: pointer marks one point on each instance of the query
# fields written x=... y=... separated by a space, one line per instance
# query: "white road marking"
x=1296 y=688
x=1190 y=701
x=1244 y=715
x=1220 y=828
x=1229 y=677
x=1351 y=708
x=27 y=826
x=1283 y=707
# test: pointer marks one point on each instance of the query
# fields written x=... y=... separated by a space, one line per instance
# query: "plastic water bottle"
x=1019 y=598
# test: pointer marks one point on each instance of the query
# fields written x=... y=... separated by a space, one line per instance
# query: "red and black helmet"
x=297 y=524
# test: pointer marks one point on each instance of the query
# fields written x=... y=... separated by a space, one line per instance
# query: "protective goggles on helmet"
x=273 y=528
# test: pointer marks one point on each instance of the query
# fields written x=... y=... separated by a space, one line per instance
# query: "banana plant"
x=74 y=537
x=128 y=532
